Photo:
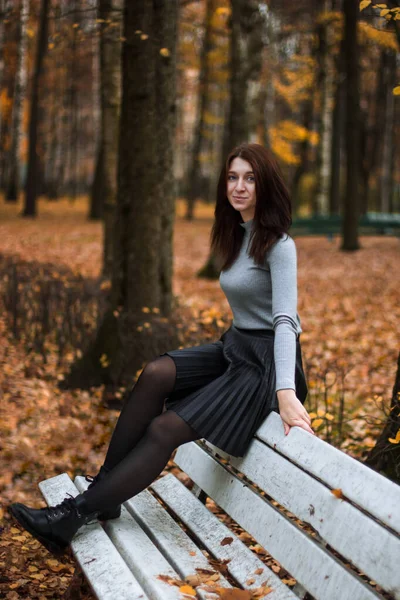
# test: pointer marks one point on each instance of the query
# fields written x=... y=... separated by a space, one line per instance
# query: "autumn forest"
x=115 y=119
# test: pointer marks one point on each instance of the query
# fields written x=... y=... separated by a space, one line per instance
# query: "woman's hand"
x=292 y=411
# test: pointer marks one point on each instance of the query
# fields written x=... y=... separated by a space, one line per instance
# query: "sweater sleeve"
x=282 y=261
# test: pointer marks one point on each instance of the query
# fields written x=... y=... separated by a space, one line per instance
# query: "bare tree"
x=33 y=161
x=19 y=97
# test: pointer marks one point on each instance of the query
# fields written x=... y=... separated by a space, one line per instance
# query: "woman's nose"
x=240 y=184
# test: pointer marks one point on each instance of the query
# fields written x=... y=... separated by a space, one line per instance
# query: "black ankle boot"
x=54 y=526
x=112 y=513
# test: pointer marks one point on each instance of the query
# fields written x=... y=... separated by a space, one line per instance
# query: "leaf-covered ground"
x=350 y=315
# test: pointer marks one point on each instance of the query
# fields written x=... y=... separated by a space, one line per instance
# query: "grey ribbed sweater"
x=266 y=298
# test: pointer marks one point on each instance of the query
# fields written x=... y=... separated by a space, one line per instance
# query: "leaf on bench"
x=187 y=589
x=337 y=492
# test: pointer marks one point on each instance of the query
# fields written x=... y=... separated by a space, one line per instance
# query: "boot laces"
x=63 y=509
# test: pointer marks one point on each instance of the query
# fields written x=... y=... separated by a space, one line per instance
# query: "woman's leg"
x=140 y=467
x=145 y=402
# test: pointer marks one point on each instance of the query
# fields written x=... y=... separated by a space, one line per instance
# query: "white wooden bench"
x=281 y=494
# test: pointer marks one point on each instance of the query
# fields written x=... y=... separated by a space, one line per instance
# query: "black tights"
x=143 y=439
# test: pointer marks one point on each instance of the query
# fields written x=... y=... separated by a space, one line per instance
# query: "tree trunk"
x=325 y=85
x=243 y=21
x=193 y=175
x=110 y=93
x=338 y=124
x=33 y=159
x=386 y=183
x=2 y=62
x=98 y=185
x=385 y=455
x=13 y=183
x=351 y=206
x=136 y=326
x=166 y=28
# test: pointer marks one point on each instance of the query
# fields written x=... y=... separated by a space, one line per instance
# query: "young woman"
x=221 y=391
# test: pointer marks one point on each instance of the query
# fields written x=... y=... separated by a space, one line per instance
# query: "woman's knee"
x=159 y=431
x=169 y=429
x=160 y=369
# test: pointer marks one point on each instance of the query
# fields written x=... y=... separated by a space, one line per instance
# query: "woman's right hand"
x=293 y=412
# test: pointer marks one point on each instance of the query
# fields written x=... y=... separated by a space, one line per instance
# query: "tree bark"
x=136 y=327
x=351 y=208
x=193 y=175
x=338 y=123
x=385 y=455
x=110 y=93
x=33 y=159
x=325 y=85
x=245 y=49
x=13 y=183
x=386 y=183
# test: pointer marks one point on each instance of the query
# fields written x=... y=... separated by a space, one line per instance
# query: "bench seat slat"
x=98 y=558
x=143 y=558
x=172 y=541
x=210 y=531
x=366 y=543
x=373 y=492
x=315 y=569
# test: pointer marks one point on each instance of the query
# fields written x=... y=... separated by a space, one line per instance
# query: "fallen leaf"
x=226 y=541
x=187 y=589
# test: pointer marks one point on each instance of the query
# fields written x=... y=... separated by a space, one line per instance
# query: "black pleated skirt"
x=225 y=389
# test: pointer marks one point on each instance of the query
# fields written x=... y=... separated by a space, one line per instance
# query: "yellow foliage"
x=396 y=90
x=5 y=102
x=284 y=134
x=298 y=88
x=385 y=39
x=364 y=4
x=211 y=119
x=294 y=132
x=282 y=148
x=395 y=440
x=223 y=10
x=329 y=16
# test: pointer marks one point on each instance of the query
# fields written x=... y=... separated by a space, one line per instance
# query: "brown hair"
x=273 y=211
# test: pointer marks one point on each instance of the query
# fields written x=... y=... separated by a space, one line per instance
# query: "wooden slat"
x=94 y=552
x=317 y=570
x=143 y=558
x=376 y=494
x=171 y=540
x=211 y=532
x=367 y=544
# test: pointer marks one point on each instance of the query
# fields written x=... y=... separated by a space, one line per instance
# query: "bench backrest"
x=282 y=479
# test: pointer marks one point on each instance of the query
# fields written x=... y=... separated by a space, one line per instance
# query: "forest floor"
x=350 y=316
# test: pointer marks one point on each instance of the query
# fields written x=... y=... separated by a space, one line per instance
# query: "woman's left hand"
x=292 y=411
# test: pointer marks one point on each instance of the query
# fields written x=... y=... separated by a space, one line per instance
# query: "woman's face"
x=241 y=188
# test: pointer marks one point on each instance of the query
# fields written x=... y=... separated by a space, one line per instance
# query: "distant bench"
x=160 y=538
x=372 y=223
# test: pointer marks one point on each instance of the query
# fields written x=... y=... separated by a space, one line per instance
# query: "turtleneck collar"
x=247 y=225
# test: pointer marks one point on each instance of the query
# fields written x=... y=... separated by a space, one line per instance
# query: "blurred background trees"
x=278 y=73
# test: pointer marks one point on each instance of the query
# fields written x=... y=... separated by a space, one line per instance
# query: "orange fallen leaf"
x=234 y=594
x=337 y=492
x=187 y=589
